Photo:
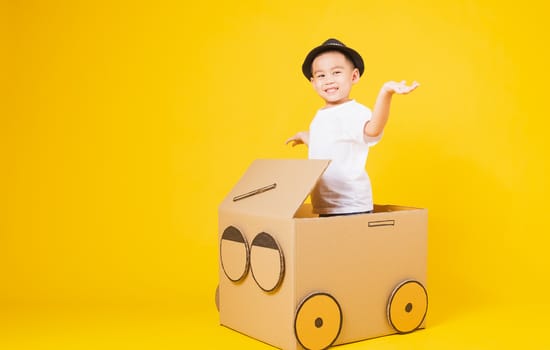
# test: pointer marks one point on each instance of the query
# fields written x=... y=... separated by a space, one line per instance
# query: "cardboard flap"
x=274 y=187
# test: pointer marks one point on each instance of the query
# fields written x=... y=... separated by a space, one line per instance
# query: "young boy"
x=343 y=130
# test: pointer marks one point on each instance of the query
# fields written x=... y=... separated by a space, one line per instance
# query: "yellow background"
x=124 y=124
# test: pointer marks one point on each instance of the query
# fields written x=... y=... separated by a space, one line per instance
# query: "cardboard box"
x=294 y=280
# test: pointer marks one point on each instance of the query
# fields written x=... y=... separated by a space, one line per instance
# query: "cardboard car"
x=294 y=280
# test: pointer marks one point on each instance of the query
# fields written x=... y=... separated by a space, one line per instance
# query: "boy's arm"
x=375 y=126
x=300 y=138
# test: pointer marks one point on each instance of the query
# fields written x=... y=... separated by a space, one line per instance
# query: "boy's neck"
x=335 y=104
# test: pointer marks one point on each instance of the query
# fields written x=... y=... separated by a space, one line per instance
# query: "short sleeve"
x=356 y=127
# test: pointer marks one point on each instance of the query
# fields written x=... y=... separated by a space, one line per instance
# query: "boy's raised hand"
x=401 y=87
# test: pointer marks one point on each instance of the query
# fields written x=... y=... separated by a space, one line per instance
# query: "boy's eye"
x=337 y=72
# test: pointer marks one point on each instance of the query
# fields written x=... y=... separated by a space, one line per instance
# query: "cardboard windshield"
x=274 y=187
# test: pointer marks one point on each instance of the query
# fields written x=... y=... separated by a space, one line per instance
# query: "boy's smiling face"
x=333 y=77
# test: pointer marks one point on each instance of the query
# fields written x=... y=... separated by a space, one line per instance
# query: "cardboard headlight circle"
x=407 y=306
x=234 y=254
x=318 y=321
x=266 y=262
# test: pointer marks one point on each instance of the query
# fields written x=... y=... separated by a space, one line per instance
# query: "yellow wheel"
x=266 y=262
x=318 y=321
x=407 y=306
x=234 y=255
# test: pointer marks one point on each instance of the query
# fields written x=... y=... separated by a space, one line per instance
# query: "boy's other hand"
x=301 y=138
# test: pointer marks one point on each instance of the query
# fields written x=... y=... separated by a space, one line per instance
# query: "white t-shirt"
x=336 y=133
